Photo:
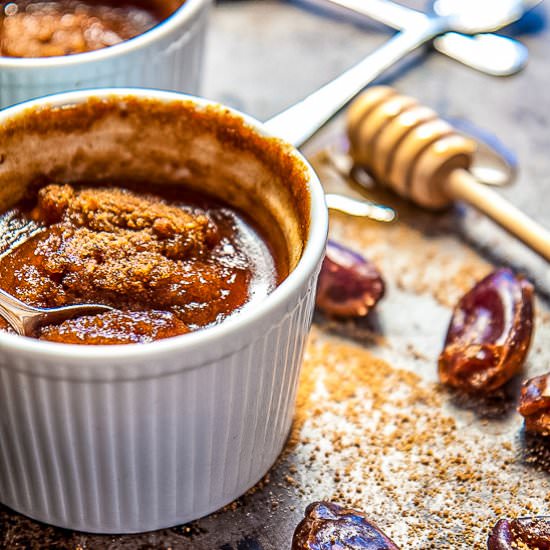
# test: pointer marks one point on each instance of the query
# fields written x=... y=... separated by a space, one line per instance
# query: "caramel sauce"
x=169 y=262
x=30 y=28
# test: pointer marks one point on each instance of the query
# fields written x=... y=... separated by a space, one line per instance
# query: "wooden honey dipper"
x=409 y=148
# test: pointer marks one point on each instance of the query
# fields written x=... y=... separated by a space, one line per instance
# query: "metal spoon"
x=488 y=53
x=493 y=54
x=298 y=123
x=25 y=320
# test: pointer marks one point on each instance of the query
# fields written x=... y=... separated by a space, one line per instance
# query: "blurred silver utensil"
x=360 y=208
x=489 y=53
x=493 y=54
x=301 y=121
x=507 y=12
x=25 y=320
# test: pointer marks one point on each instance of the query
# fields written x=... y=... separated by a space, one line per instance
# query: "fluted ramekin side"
x=137 y=455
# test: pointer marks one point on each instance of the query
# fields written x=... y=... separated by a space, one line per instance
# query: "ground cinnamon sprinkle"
x=381 y=440
x=374 y=430
x=434 y=469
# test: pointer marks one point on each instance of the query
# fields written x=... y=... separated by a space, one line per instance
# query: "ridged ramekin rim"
x=238 y=323
x=186 y=12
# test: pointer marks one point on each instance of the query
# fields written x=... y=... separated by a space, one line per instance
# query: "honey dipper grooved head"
x=406 y=146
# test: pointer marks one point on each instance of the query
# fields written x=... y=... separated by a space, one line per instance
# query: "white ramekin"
x=169 y=57
x=116 y=439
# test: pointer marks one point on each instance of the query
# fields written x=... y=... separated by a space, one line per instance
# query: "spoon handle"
x=488 y=53
x=14 y=312
x=388 y=13
x=298 y=123
x=25 y=319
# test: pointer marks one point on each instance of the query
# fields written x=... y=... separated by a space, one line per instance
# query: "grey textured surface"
x=262 y=57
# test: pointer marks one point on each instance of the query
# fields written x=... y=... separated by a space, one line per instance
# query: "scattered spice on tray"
x=381 y=435
x=377 y=438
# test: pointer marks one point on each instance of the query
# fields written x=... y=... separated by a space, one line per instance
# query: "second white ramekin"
x=168 y=56
x=115 y=439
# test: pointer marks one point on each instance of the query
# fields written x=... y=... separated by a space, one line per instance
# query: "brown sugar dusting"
x=380 y=439
x=440 y=266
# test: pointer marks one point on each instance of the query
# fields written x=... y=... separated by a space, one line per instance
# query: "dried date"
x=489 y=333
x=328 y=526
x=534 y=404
x=515 y=534
x=349 y=285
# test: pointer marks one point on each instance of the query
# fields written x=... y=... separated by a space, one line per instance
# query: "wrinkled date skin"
x=489 y=334
x=534 y=404
x=328 y=526
x=521 y=534
x=349 y=285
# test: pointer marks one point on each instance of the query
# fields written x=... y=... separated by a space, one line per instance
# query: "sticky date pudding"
x=168 y=261
x=177 y=214
x=31 y=28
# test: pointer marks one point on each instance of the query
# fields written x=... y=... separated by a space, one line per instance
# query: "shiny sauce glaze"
x=169 y=262
x=31 y=28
